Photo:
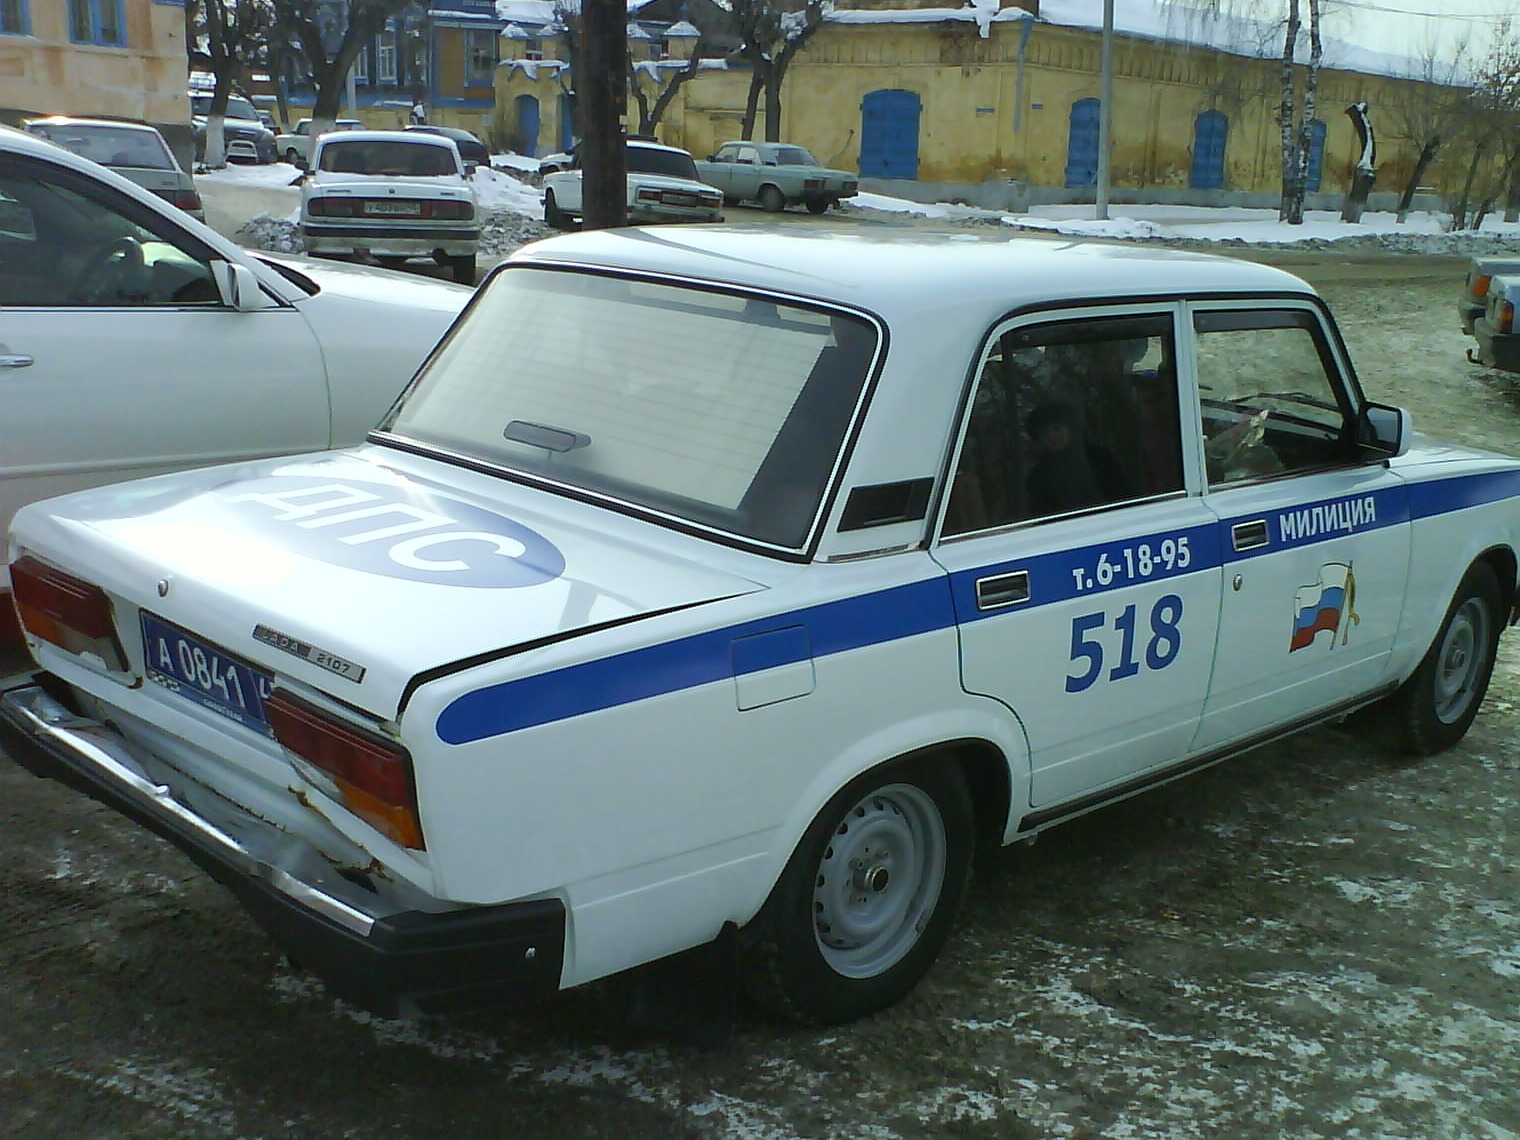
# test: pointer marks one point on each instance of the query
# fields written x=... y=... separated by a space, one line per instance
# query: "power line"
x=1494 y=16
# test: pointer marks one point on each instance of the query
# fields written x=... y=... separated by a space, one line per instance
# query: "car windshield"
x=674 y=163
x=794 y=156
x=387 y=156
x=720 y=409
x=108 y=145
x=237 y=107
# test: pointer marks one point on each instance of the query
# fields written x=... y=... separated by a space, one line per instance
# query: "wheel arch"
x=990 y=751
x=1506 y=567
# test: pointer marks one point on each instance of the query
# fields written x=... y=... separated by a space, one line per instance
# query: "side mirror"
x=239 y=288
x=1385 y=430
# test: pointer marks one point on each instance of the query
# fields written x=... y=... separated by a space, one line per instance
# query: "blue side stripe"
x=922 y=607
x=834 y=627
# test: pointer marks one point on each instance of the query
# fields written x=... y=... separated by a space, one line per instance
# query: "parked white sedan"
x=134 y=340
x=391 y=195
x=598 y=652
x=663 y=186
x=295 y=146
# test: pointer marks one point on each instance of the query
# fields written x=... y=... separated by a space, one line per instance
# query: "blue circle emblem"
x=397 y=531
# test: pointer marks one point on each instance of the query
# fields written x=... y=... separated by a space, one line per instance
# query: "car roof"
x=650 y=144
x=415 y=137
x=901 y=273
x=73 y=121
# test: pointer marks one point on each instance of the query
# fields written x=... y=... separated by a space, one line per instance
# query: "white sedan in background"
x=135 y=340
x=391 y=195
x=663 y=186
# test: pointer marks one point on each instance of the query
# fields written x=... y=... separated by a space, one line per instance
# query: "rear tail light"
x=453 y=211
x=66 y=611
x=330 y=207
x=644 y=195
x=812 y=183
x=187 y=200
x=373 y=775
x=1480 y=283
x=1504 y=317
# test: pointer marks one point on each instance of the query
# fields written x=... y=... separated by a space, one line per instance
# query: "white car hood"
x=368 y=563
x=350 y=280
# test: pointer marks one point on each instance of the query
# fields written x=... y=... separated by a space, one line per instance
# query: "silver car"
x=134 y=150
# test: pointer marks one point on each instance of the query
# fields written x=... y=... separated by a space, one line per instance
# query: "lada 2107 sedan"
x=596 y=652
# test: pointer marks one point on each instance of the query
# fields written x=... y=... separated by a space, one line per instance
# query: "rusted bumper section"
x=394 y=964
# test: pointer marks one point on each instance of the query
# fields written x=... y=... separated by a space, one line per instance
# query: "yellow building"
x=988 y=102
x=124 y=58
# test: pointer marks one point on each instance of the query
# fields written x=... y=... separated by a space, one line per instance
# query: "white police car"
x=597 y=651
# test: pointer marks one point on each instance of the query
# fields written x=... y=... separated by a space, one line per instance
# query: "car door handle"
x=15 y=360
x=1249 y=535
x=1002 y=590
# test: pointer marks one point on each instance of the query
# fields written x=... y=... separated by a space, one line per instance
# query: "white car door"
x=1085 y=576
x=1313 y=536
x=118 y=358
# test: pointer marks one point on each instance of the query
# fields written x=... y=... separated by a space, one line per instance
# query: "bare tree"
x=331 y=45
x=227 y=33
x=771 y=35
x=1427 y=113
x=1491 y=128
x=667 y=82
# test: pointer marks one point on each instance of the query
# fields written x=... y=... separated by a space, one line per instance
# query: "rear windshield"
x=110 y=146
x=794 y=156
x=387 y=156
x=675 y=163
x=237 y=107
x=720 y=409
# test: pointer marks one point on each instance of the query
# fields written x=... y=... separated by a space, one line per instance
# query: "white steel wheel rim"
x=1460 y=662
x=879 y=880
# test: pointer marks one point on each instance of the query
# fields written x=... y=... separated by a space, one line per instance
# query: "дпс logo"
x=398 y=532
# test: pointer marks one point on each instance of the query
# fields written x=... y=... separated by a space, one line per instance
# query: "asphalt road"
x=1320 y=939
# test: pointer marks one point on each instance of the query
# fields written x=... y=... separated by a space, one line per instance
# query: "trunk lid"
x=355 y=571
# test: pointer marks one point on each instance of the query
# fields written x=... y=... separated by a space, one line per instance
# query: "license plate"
x=678 y=199
x=393 y=208
x=209 y=676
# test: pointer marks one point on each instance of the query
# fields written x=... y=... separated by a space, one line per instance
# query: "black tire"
x=1437 y=704
x=868 y=897
x=464 y=268
x=772 y=200
x=553 y=215
x=390 y=261
x=293 y=157
x=817 y=205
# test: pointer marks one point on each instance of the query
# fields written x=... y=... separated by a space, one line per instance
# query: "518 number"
x=1160 y=649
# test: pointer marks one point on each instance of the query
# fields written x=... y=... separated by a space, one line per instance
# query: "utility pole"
x=1105 y=109
x=602 y=99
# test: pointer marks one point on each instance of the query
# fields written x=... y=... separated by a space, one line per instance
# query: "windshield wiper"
x=1287 y=398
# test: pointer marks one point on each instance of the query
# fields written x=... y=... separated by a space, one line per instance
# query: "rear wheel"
x=390 y=261
x=817 y=205
x=464 y=268
x=293 y=157
x=1438 y=703
x=772 y=200
x=868 y=897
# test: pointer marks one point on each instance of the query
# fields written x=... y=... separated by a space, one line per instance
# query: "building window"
x=479 y=58
x=360 y=68
x=533 y=49
x=96 y=22
x=656 y=49
x=13 y=18
x=385 y=56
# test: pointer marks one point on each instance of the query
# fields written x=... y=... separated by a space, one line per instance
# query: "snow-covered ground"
x=515 y=212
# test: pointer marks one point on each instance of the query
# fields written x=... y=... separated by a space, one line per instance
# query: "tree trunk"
x=1286 y=108
x=1459 y=211
x=1427 y=156
x=752 y=102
